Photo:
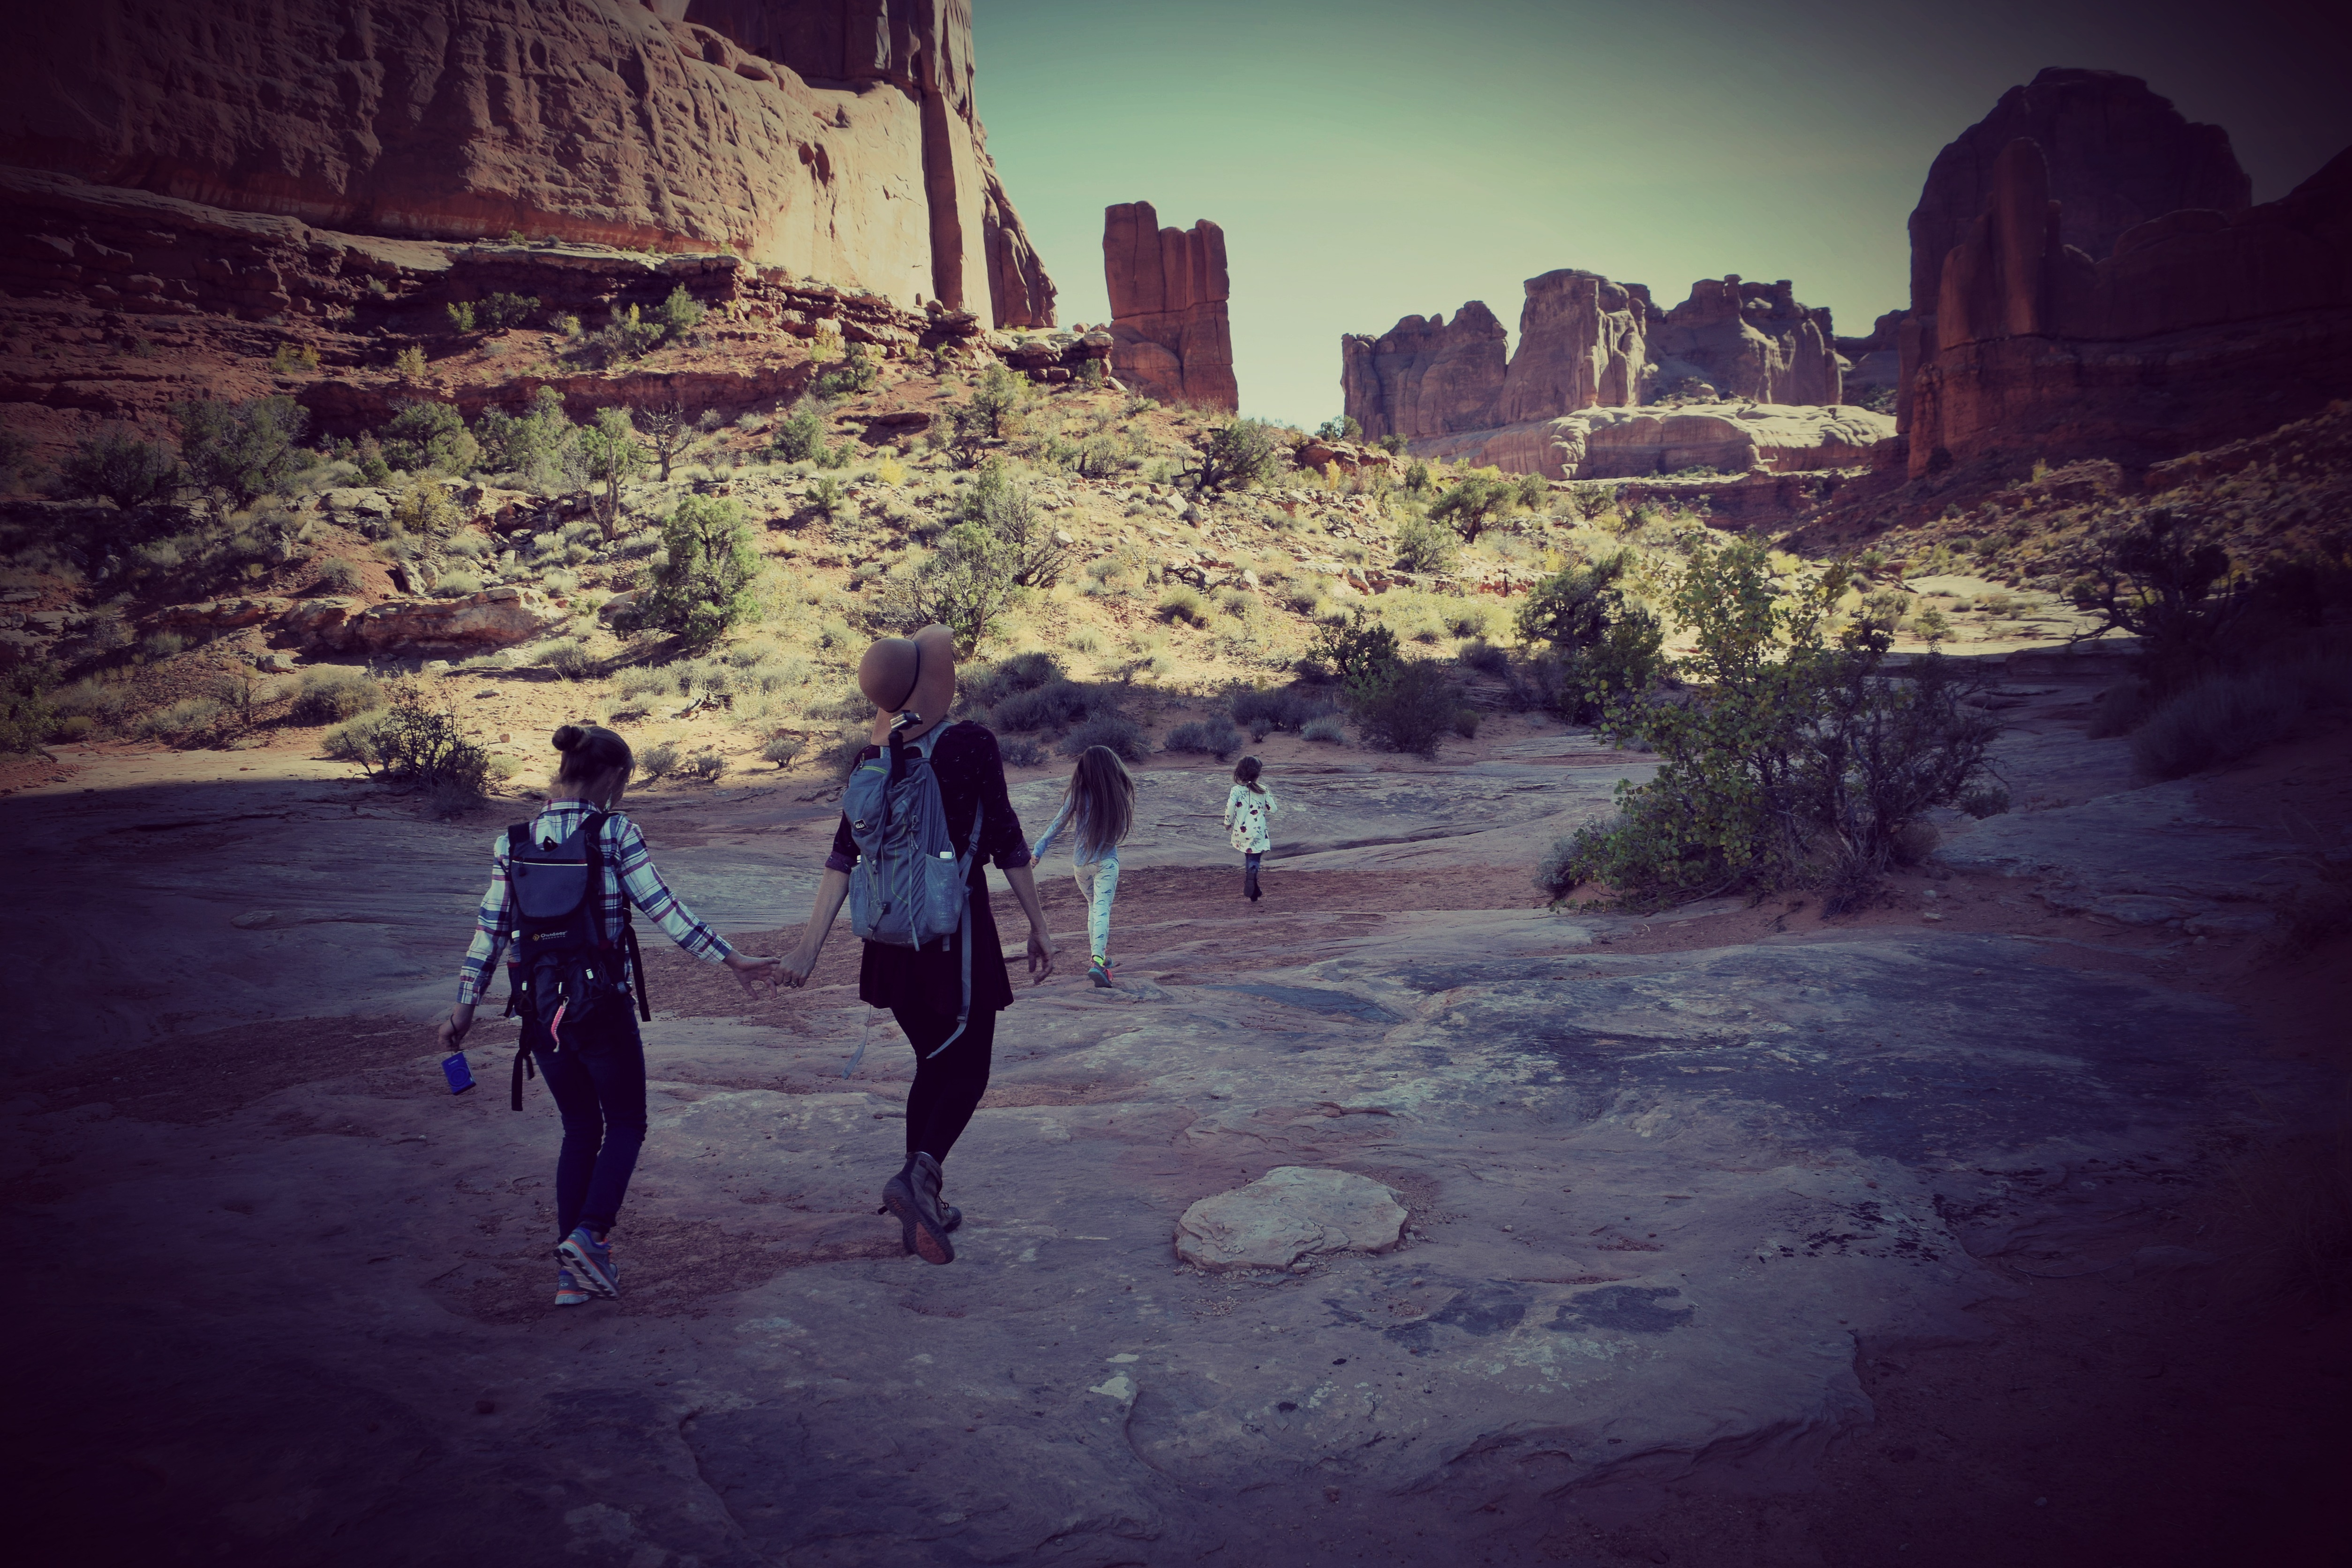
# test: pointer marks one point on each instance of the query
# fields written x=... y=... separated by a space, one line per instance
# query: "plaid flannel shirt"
x=628 y=873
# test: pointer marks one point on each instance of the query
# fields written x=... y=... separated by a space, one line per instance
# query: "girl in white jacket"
x=1249 y=812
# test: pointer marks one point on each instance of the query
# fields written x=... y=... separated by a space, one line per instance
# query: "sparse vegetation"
x=115 y=465
x=1214 y=737
x=1238 y=455
x=703 y=586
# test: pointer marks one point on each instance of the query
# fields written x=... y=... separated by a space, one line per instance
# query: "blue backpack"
x=909 y=888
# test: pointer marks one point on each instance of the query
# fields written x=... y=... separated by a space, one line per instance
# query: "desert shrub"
x=1052 y=705
x=1591 y=503
x=423 y=508
x=1486 y=658
x=1466 y=722
x=461 y=316
x=367 y=457
x=1424 y=546
x=994 y=409
x=568 y=657
x=681 y=313
x=355 y=740
x=627 y=336
x=2223 y=718
x=115 y=465
x=418 y=747
x=986 y=685
x=708 y=766
x=1473 y=504
x=26 y=717
x=103 y=702
x=180 y=722
x=781 y=749
x=1327 y=731
x=856 y=374
x=1003 y=506
x=1606 y=646
x=1212 y=736
x=337 y=576
x=658 y=760
x=1359 y=651
x=705 y=585
x=964 y=585
x=1930 y=625
x=1407 y=709
x=1239 y=456
x=1183 y=604
x=1021 y=751
x=456 y=583
x=331 y=693
x=2178 y=594
x=1121 y=734
x=2121 y=709
x=1983 y=799
x=429 y=436
x=1793 y=762
x=1469 y=618
x=409 y=363
x=1285 y=707
x=291 y=358
x=501 y=312
x=530 y=444
x=162 y=645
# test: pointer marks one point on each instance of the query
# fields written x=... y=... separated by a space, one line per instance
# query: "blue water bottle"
x=454 y=1069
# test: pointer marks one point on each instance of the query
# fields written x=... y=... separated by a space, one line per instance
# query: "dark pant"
x=948 y=1087
x=1250 y=858
x=599 y=1085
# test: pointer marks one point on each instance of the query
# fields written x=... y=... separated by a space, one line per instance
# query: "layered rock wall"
x=2117 y=155
x=1586 y=343
x=835 y=138
x=2201 y=327
x=1426 y=376
x=1620 y=443
x=1170 y=339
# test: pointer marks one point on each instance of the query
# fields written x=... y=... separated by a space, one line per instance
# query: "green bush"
x=1409 y=709
x=1212 y=736
x=1239 y=456
x=504 y=311
x=337 y=576
x=1326 y=731
x=986 y=685
x=427 y=437
x=1051 y=705
x=568 y=657
x=1359 y=651
x=1183 y=604
x=461 y=316
x=1392 y=444
x=1791 y=761
x=964 y=585
x=856 y=374
x=1607 y=646
x=182 y=722
x=418 y=747
x=705 y=585
x=1486 y=658
x=116 y=466
x=659 y=761
x=26 y=717
x=1343 y=428
x=997 y=400
x=680 y=313
x=1474 y=501
x=531 y=444
x=1285 y=708
x=331 y=693
x=1122 y=735
x=708 y=766
x=781 y=749
x=1424 y=546
x=1003 y=506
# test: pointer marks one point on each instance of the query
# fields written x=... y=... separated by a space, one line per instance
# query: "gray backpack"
x=909 y=888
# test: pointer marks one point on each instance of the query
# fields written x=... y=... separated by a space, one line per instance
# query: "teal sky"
x=1377 y=159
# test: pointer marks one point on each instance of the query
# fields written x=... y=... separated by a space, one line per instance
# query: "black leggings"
x=599 y=1085
x=948 y=1087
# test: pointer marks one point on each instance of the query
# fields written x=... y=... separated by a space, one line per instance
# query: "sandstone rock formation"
x=836 y=138
x=2200 y=328
x=1586 y=341
x=1425 y=375
x=1168 y=293
x=1746 y=339
x=1627 y=443
x=493 y=618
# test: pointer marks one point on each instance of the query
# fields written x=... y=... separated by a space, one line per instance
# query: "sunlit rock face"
x=835 y=138
x=1168 y=291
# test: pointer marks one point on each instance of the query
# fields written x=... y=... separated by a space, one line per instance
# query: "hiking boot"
x=913 y=1194
x=1099 y=972
x=568 y=1292
x=592 y=1263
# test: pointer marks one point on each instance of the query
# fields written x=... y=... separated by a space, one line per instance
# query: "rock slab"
x=1289 y=1215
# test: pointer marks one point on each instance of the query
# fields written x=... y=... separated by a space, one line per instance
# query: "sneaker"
x=592 y=1262
x=913 y=1194
x=1100 y=972
x=567 y=1292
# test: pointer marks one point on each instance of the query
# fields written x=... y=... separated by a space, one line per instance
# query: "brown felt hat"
x=914 y=674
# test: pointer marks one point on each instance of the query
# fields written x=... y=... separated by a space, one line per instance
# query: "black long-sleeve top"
x=970 y=773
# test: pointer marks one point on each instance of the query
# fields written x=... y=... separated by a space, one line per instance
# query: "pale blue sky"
x=1378 y=158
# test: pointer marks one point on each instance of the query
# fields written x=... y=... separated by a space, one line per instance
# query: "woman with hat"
x=911 y=682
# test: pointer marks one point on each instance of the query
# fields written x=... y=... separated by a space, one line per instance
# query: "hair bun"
x=570 y=737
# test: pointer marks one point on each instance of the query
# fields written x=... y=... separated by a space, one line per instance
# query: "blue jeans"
x=1250 y=858
x=1098 y=884
x=599 y=1086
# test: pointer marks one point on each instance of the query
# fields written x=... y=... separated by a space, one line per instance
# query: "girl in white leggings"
x=1099 y=809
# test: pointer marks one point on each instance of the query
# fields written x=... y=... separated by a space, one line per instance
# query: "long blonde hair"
x=1102 y=799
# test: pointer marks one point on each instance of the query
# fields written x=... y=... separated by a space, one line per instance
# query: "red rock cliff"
x=2117 y=155
x=1425 y=375
x=1169 y=337
x=837 y=138
x=2201 y=327
x=1748 y=340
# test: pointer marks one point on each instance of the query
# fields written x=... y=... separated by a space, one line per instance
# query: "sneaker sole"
x=931 y=1246
x=593 y=1279
x=1101 y=977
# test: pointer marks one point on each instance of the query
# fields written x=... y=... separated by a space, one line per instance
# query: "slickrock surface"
x=1672 y=1198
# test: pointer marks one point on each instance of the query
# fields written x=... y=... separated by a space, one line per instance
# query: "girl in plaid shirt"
x=599 y=1084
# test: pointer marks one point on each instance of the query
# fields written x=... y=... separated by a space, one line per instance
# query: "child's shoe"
x=1099 y=971
x=592 y=1262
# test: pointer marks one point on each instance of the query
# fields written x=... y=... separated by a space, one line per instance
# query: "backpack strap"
x=518 y=840
x=522 y=1069
x=963 y=932
x=632 y=958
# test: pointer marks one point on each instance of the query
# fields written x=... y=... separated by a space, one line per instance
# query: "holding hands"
x=751 y=972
